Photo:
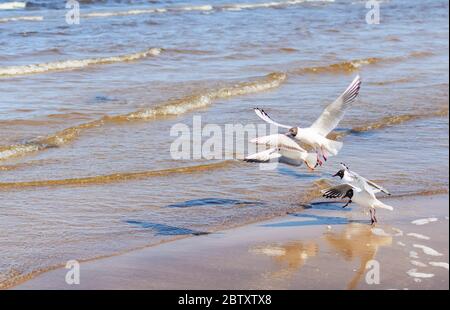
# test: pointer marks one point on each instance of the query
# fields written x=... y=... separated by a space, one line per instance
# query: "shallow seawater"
x=86 y=113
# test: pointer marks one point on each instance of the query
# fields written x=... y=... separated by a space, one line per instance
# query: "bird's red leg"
x=319 y=154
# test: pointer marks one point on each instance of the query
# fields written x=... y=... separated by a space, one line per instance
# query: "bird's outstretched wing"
x=272 y=155
x=369 y=185
x=333 y=113
x=265 y=117
x=280 y=141
x=339 y=191
x=286 y=149
x=377 y=188
x=264 y=156
x=365 y=183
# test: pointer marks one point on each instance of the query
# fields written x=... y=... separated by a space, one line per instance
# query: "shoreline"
x=275 y=250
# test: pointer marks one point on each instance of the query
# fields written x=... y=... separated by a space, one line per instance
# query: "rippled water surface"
x=86 y=112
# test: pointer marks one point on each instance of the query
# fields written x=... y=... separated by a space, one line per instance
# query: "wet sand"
x=321 y=247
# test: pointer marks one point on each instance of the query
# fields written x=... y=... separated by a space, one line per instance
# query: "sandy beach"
x=321 y=247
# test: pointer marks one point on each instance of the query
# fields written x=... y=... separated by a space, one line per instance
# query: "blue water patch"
x=214 y=202
x=104 y=98
x=166 y=230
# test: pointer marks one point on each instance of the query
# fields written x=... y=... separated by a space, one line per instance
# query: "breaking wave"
x=75 y=64
x=123 y=176
x=21 y=18
x=389 y=121
x=202 y=8
x=354 y=65
x=13 y=5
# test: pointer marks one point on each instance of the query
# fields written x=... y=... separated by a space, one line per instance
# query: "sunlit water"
x=86 y=111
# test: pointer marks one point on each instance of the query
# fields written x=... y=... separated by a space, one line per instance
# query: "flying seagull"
x=360 y=191
x=315 y=135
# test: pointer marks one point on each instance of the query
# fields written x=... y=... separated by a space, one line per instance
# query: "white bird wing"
x=334 y=112
x=377 y=188
x=290 y=155
x=265 y=117
x=339 y=191
x=264 y=156
x=369 y=185
x=275 y=154
x=363 y=182
x=280 y=141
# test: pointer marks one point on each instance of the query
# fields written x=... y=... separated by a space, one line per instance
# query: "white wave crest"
x=18 y=150
x=13 y=5
x=247 y=6
x=198 y=8
x=202 y=8
x=74 y=64
x=22 y=18
x=124 y=13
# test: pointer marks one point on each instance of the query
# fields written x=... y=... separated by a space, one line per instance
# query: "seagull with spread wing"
x=315 y=135
x=359 y=190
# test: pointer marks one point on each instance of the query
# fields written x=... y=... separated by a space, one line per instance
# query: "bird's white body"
x=313 y=138
x=358 y=190
x=367 y=200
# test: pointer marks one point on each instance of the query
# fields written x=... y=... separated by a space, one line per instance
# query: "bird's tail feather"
x=381 y=205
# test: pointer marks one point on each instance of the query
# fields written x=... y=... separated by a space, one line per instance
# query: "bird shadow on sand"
x=326 y=205
x=166 y=230
x=319 y=219
x=203 y=202
x=315 y=220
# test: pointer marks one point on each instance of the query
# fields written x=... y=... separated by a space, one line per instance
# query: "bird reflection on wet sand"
x=290 y=256
x=354 y=242
x=357 y=241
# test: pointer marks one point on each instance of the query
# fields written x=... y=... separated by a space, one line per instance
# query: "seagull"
x=284 y=149
x=353 y=178
x=360 y=191
x=315 y=135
